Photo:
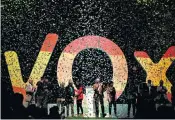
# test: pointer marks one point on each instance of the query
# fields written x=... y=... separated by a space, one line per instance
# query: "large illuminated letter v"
x=39 y=66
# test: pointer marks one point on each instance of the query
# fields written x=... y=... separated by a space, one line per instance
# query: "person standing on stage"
x=162 y=90
x=30 y=92
x=47 y=93
x=70 y=94
x=132 y=97
x=162 y=96
x=111 y=95
x=61 y=98
x=151 y=92
x=151 y=96
x=98 y=97
x=79 y=95
x=39 y=93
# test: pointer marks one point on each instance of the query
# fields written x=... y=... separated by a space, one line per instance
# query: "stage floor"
x=121 y=112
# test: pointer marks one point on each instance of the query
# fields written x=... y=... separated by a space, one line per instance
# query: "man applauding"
x=98 y=97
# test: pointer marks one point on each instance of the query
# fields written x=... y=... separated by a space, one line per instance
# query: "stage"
x=121 y=111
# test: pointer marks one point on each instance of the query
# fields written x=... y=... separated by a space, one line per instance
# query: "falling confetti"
x=134 y=25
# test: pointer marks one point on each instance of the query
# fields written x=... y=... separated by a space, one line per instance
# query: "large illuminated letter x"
x=157 y=71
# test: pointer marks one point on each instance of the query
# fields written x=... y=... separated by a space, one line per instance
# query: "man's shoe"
x=81 y=115
x=104 y=115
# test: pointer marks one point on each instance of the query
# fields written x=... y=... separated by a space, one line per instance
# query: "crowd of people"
x=146 y=100
x=151 y=101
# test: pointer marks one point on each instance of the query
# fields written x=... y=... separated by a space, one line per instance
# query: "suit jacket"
x=69 y=94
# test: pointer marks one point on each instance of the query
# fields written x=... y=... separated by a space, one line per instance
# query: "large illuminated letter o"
x=120 y=69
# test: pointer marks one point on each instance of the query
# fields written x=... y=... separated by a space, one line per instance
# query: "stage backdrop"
x=128 y=42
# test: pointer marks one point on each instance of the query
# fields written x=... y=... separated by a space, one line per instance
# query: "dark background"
x=133 y=26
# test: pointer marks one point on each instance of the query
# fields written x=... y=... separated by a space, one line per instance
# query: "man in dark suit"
x=69 y=99
x=132 y=96
x=98 y=97
x=40 y=93
x=150 y=98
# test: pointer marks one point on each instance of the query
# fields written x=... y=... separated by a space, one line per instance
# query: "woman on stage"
x=79 y=95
